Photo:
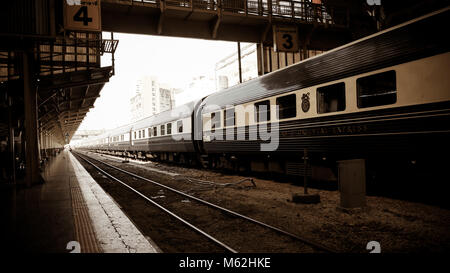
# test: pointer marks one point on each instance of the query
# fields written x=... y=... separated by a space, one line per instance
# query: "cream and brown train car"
x=384 y=98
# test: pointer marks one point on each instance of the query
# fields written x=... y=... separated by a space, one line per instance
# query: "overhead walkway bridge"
x=230 y=20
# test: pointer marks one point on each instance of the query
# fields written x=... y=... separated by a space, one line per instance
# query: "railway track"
x=203 y=207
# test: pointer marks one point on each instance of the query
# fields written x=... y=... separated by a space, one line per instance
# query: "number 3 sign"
x=285 y=38
x=82 y=15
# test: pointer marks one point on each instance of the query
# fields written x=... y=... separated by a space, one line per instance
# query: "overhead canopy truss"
x=67 y=73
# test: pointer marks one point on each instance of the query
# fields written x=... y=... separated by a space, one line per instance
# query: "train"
x=384 y=98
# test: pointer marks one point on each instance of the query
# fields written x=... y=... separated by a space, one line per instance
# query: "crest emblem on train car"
x=305 y=102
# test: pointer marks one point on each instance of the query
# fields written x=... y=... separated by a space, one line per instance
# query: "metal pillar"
x=239 y=61
x=352 y=183
x=305 y=176
x=11 y=142
x=112 y=58
x=31 y=136
x=261 y=59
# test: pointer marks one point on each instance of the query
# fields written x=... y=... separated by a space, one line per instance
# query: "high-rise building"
x=152 y=97
x=198 y=87
x=227 y=69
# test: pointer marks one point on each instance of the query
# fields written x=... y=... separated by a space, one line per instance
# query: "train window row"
x=165 y=129
x=116 y=138
x=373 y=90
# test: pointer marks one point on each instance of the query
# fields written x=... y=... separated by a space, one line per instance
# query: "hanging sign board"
x=82 y=15
x=285 y=38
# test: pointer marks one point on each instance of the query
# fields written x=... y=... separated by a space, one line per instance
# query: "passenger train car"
x=165 y=136
x=384 y=98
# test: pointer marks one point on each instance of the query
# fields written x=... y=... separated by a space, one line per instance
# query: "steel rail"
x=306 y=241
x=161 y=207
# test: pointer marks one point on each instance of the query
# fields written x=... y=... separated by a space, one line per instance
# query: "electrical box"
x=352 y=183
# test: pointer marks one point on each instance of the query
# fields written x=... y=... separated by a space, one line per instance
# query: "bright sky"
x=173 y=60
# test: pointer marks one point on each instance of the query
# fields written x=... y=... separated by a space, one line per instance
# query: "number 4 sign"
x=285 y=38
x=82 y=15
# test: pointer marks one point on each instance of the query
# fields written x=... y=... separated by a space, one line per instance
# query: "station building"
x=51 y=75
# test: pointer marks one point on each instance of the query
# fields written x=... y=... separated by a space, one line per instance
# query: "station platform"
x=70 y=212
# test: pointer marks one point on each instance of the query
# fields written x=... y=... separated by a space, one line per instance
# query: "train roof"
x=177 y=113
x=119 y=130
x=418 y=38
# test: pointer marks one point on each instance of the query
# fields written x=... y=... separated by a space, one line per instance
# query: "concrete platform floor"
x=69 y=212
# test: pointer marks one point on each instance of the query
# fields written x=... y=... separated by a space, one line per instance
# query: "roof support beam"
x=76 y=79
x=218 y=20
x=31 y=128
x=159 y=29
x=216 y=25
x=85 y=96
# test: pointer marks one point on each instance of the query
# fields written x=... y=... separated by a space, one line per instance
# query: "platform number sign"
x=82 y=15
x=285 y=38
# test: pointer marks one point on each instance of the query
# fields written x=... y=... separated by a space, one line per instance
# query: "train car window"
x=163 y=130
x=149 y=132
x=169 y=128
x=213 y=125
x=262 y=110
x=180 y=126
x=229 y=117
x=215 y=121
x=331 y=98
x=287 y=106
x=155 y=131
x=378 y=89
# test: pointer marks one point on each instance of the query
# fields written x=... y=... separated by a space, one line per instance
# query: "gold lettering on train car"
x=346 y=129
